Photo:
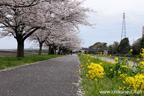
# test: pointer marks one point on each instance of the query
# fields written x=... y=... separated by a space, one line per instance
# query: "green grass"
x=110 y=82
x=12 y=61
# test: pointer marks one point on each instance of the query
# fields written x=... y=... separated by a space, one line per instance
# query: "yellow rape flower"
x=111 y=69
x=131 y=50
x=95 y=70
x=137 y=82
x=116 y=59
x=131 y=63
x=87 y=75
x=100 y=63
x=89 y=71
x=120 y=88
x=119 y=72
x=95 y=79
x=138 y=59
x=111 y=61
x=123 y=75
x=124 y=66
x=126 y=60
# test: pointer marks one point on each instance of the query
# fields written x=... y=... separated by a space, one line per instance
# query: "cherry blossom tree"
x=66 y=15
x=63 y=41
x=40 y=36
x=21 y=18
x=70 y=42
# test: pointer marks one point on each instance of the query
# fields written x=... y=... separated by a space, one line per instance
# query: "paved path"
x=55 y=77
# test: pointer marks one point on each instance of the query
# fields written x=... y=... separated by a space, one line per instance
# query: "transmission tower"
x=123 y=33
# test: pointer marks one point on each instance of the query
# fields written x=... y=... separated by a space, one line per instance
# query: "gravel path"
x=55 y=77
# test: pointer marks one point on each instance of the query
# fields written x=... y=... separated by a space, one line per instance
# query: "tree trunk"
x=49 y=51
x=40 y=48
x=52 y=50
x=20 y=48
x=55 y=47
x=59 y=50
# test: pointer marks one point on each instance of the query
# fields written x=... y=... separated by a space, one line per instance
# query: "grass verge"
x=12 y=61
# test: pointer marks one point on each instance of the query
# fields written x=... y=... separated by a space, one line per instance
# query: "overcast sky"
x=108 y=19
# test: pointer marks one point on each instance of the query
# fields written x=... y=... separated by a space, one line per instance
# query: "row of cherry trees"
x=53 y=23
